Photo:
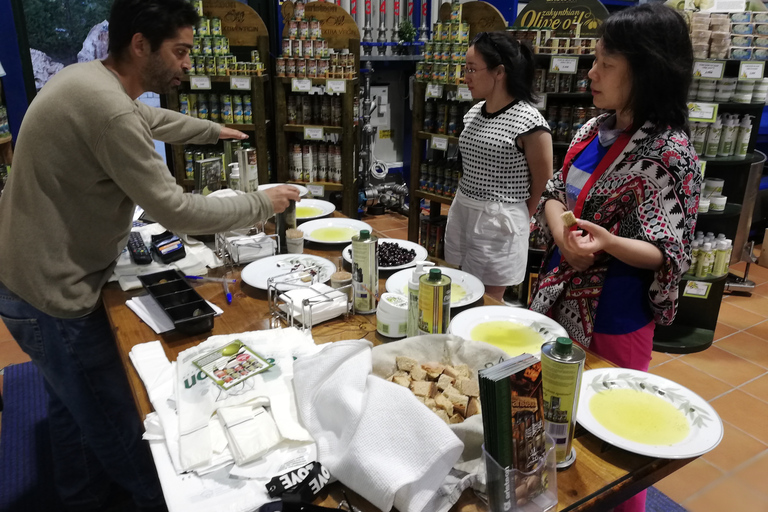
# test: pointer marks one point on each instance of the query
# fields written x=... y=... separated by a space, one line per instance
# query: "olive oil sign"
x=563 y=17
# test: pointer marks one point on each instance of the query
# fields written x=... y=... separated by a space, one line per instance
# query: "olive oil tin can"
x=562 y=364
x=365 y=272
x=434 y=302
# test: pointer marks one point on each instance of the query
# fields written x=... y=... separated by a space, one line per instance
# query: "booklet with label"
x=231 y=364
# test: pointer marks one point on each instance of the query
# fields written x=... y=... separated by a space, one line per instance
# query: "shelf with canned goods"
x=228 y=84
x=433 y=197
x=316 y=99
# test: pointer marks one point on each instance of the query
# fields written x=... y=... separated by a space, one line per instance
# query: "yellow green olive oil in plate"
x=306 y=212
x=457 y=292
x=334 y=234
x=640 y=417
x=512 y=337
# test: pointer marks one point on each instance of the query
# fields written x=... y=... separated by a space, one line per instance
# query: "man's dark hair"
x=654 y=39
x=157 y=20
x=501 y=49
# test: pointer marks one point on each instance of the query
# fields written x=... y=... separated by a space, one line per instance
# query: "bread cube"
x=418 y=373
x=444 y=381
x=473 y=407
x=456 y=418
x=468 y=387
x=403 y=381
x=405 y=364
x=424 y=388
x=443 y=403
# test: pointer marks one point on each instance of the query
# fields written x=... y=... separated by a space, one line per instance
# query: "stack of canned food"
x=445 y=54
x=219 y=108
x=294 y=62
x=315 y=161
x=560 y=82
x=565 y=120
x=210 y=54
x=193 y=154
x=440 y=177
x=314 y=109
x=543 y=41
x=445 y=117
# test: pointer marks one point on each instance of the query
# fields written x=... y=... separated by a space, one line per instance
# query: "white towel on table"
x=373 y=435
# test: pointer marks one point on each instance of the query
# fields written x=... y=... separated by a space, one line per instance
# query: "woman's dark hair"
x=654 y=39
x=157 y=20
x=501 y=49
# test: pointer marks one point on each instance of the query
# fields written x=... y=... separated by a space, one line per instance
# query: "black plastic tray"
x=190 y=313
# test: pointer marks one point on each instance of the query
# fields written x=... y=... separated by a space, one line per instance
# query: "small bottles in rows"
x=710 y=255
x=727 y=136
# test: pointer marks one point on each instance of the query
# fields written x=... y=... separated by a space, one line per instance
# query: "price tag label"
x=316 y=190
x=541 y=104
x=336 y=86
x=313 y=133
x=697 y=289
x=708 y=69
x=440 y=143
x=702 y=112
x=240 y=83
x=434 y=91
x=564 y=65
x=464 y=94
x=751 y=70
x=199 y=83
x=301 y=85
x=385 y=134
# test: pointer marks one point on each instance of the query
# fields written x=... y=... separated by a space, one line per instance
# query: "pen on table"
x=211 y=279
x=225 y=285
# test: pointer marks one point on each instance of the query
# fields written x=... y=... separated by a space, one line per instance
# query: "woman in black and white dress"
x=506 y=151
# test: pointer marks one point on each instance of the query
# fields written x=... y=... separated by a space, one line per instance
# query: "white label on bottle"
x=564 y=65
x=336 y=86
x=301 y=85
x=463 y=93
x=316 y=190
x=708 y=69
x=751 y=70
x=434 y=91
x=199 y=83
x=240 y=83
x=313 y=133
x=440 y=143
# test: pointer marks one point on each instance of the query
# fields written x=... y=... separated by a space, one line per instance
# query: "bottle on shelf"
x=744 y=136
x=713 y=139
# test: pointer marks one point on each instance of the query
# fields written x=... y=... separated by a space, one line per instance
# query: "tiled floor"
x=732 y=375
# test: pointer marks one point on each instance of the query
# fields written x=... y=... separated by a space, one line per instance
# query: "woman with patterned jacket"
x=632 y=180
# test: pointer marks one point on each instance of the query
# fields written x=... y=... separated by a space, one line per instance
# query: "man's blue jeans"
x=95 y=428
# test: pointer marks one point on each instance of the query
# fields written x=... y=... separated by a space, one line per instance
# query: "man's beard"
x=157 y=76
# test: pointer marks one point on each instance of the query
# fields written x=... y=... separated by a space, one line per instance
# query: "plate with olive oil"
x=466 y=289
x=514 y=330
x=309 y=209
x=647 y=414
x=333 y=230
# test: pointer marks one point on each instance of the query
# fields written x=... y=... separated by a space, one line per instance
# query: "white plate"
x=421 y=253
x=325 y=208
x=465 y=322
x=257 y=273
x=302 y=189
x=472 y=286
x=313 y=225
x=706 y=428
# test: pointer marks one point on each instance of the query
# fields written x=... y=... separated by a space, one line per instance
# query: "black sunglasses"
x=486 y=35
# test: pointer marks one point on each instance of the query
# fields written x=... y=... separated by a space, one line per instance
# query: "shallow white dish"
x=465 y=322
x=257 y=273
x=313 y=225
x=706 y=427
x=421 y=253
x=302 y=189
x=325 y=207
x=472 y=286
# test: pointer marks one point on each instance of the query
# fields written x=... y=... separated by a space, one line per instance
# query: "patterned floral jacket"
x=650 y=192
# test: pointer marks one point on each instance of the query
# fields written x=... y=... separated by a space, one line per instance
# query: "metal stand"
x=367 y=28
x=742 y=285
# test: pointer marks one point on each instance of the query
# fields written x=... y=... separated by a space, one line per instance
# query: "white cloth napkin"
x=153 y=315
x=326 y=303
x=373 y=435
x=198 y=399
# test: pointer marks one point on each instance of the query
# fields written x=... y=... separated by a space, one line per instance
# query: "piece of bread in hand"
x=569 y=219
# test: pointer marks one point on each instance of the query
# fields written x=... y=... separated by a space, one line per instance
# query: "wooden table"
x=601 y=477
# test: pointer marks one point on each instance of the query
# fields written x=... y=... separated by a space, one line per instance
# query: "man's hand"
x=281 y=196
x=230 y=133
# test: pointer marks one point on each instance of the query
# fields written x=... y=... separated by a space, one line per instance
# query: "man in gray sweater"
x=84 y=159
